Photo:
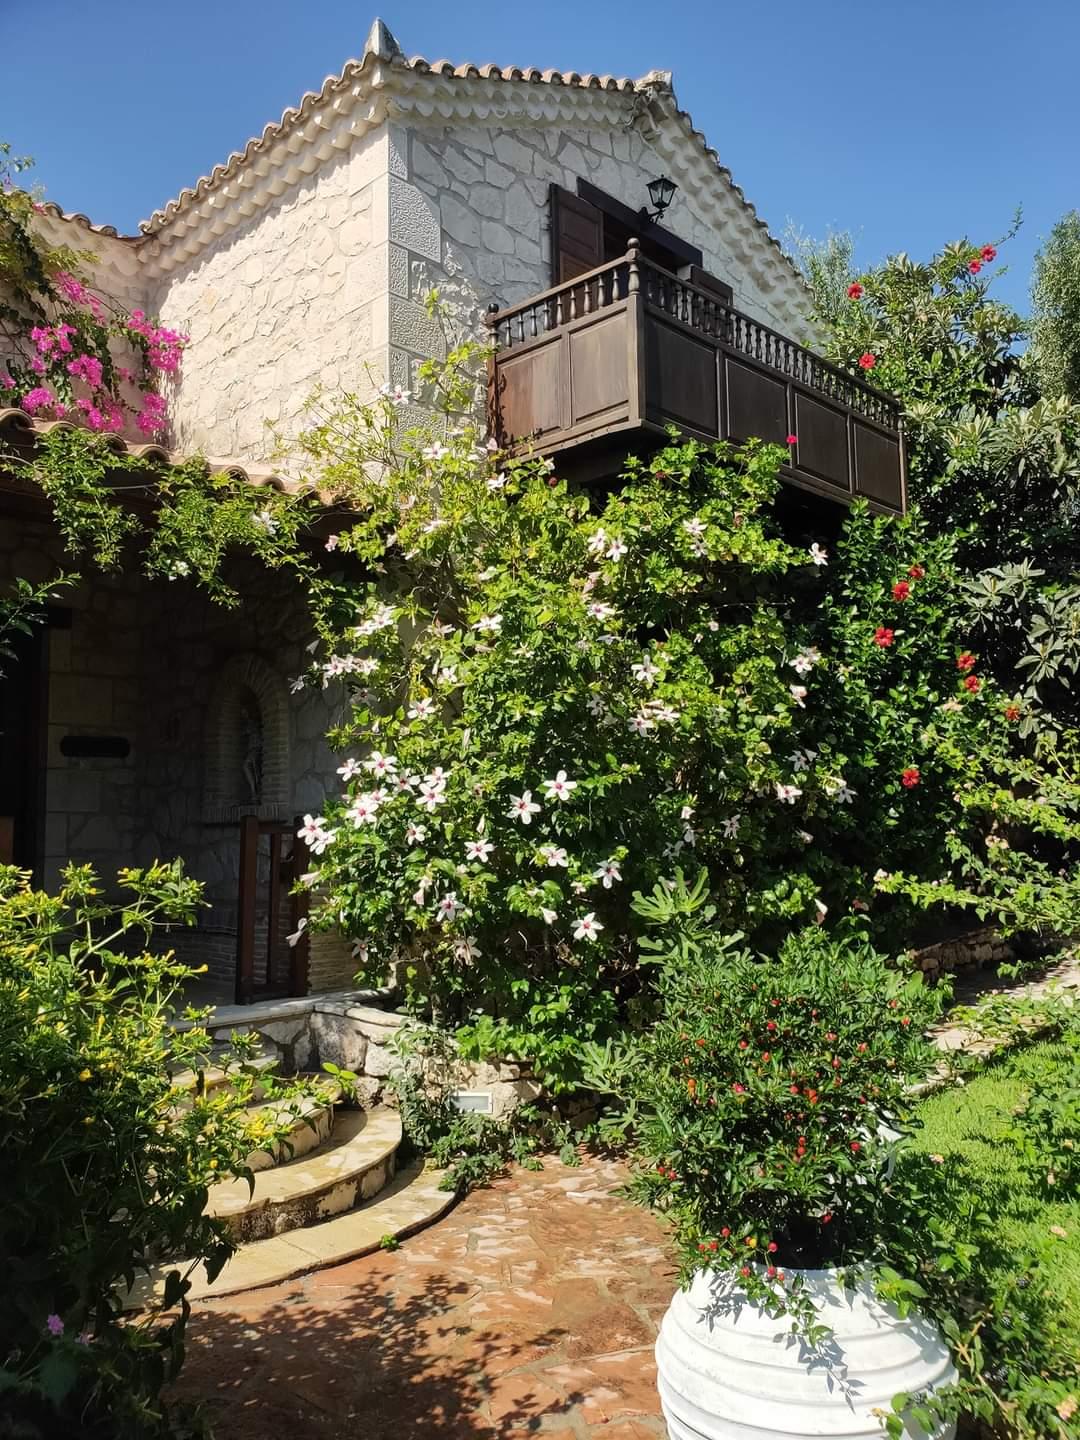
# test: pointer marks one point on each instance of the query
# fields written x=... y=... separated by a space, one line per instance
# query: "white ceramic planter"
x=729 y=1372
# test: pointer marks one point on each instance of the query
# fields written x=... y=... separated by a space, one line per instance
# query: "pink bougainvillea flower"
x=883 y=637
x=868 y=360
x=855 y=291
x=901 y=590
x=40 y=398
x=974 y=266
x=988 y=253
x=972 y=683
x=70 y=288
x=86 y=367
x=910 y=778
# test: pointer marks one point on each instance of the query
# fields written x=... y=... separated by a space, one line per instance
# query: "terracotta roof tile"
x=20 y=431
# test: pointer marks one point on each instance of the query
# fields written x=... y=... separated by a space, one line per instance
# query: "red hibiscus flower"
x=901 y=590
x=855 y=291
x=883 y=637
x=965 y=660
x=974 y=266
x=910 y=778
x=868 y=360
x=972 y=683
x=916 y=572
x=988 y=253
x=792 y=439
x=1012 y=712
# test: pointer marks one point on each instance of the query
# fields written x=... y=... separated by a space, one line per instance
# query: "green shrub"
x=769 y=1098
x=103 y=1167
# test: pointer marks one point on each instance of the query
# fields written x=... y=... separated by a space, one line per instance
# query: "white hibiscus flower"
x=588 y=927
x=560 y=788
x=523 y=807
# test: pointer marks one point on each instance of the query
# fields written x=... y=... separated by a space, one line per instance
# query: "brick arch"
x=246 y=679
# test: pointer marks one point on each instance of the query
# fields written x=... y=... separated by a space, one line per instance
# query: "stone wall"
x=973 y=951
x=469 y=207
x=293 y=298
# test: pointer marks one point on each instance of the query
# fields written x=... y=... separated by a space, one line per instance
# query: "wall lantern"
x=661 y=193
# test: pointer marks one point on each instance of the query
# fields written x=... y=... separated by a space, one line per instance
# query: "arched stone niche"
x=247 y=743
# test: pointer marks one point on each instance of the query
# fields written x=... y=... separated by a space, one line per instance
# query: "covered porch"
x=141 y=721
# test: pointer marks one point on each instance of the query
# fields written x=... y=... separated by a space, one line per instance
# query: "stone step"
x=411 y=1201
x=310 y=1119
x=353 y=1165
x=215 y=1075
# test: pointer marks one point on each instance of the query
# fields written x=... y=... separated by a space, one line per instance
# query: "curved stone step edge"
x=311 y=1126
x=184 y=1081
x=410 y=1203
x=352 y=1166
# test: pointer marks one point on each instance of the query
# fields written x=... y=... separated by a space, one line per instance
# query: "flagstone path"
x=530 y=1310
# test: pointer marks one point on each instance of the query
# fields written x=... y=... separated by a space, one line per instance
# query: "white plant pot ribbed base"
x=726 y=1371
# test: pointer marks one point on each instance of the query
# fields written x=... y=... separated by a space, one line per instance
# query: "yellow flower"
x=84 y=1074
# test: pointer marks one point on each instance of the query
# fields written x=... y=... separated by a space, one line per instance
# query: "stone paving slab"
x=530 y=1310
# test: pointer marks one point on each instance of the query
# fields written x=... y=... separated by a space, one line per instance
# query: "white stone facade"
x=486 y=191
x=304 y=261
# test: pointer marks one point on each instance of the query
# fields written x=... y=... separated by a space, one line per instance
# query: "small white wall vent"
x=472 y=1102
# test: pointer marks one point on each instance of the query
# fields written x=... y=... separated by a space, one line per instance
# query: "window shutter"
x=577 y=235
x=720 y=288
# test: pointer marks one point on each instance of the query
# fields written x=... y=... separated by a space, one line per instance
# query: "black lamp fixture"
x=661 y=193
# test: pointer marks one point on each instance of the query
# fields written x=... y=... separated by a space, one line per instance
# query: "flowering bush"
x=102 y=1168
x=555 y=697
x=991 y=459
x=57 y=334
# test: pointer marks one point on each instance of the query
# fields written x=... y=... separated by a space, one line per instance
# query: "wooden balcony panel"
x=631 y=347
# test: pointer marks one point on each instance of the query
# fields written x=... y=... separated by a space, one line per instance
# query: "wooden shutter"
x=577 y=235
x=697 y=276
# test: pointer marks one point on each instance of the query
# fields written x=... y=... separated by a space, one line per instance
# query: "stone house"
x=144 y=722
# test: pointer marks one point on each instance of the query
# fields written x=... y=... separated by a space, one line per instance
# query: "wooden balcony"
x=608 y=360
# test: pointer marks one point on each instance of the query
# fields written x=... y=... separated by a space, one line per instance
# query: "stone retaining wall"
x=973 y=951
x=347 y=1030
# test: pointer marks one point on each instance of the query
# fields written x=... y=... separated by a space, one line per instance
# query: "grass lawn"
x=971 y=1122
x=1029 y=1254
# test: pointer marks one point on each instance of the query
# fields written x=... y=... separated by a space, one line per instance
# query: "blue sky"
x=909 y=122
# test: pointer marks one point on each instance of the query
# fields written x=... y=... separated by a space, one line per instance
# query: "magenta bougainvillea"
x=63 y=342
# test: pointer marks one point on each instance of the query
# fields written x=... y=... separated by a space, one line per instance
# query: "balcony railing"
x=630 y=347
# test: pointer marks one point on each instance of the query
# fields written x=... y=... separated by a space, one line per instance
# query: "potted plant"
x=767 y=1102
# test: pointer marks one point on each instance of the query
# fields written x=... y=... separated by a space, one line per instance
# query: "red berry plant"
x=770 y=1098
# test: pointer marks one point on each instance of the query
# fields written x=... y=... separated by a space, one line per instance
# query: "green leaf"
x=57 y=1374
